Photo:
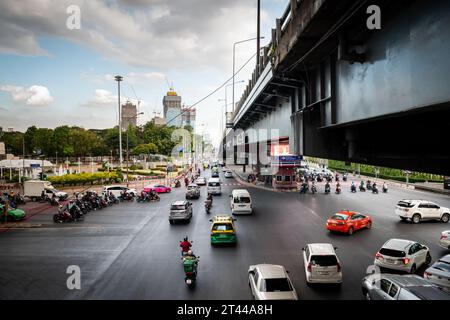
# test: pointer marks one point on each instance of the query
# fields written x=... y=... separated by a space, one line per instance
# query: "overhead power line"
x=214 y=91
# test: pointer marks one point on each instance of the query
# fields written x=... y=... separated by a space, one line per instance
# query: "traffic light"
x=41 y=176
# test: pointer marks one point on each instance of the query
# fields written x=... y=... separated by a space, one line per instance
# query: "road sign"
x=35 y=165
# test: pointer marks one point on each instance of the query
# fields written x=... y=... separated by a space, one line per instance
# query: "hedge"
x=84 y=178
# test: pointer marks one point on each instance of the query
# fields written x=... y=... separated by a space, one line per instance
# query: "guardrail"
x=269 y=52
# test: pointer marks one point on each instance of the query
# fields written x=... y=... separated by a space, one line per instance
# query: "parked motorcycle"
x=62 y=217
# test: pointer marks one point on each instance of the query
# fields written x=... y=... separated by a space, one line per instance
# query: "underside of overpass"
x=348 y=93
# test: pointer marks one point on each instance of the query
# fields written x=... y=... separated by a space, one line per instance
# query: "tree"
x=148 y=148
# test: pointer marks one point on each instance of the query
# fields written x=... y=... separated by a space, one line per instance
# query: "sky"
x=52 y=75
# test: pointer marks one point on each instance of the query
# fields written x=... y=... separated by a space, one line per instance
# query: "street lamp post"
x=118 y=79
x=234 y=59
x=128 y=151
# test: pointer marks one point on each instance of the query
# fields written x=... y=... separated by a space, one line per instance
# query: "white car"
x=228 y=174
x=321 y=264
x=444 y=242
x=417 y=210
x=200 y=181
x=402 y=255
x=224 y=169
x=439 y=273
x=116 y=190
x=270 y=282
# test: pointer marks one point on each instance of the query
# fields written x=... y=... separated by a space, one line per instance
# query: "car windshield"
x=177 y=207
x=405 y=204
x=213 y=184
x=442 y=265
x=222 y=227
x=241 y=200
x=392 y=253
x=324 y=261
x=275 y=285
x=339 y=217
x=192 y=187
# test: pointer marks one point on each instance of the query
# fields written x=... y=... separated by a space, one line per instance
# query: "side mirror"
x=303 y=249
x=234 y=219
x=335 y=248
x=287 y=271
x=210 y=220
x=230 y=195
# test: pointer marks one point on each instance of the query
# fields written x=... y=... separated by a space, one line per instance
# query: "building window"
x=279 y=178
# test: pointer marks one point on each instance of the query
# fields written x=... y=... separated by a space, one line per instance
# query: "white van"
x=214 y=186
x=241 y=202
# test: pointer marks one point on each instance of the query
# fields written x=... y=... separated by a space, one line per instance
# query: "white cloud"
x=31 y=96
x=104 y=98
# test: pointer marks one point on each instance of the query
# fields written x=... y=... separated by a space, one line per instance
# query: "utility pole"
x=118 y=79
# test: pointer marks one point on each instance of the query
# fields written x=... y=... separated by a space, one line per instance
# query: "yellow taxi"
x=223 y=230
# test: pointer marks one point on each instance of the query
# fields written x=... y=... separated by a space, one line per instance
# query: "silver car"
x=180 y=211
x=193 y=191
x=400 y=287
x=439 y=273
x=270 y=282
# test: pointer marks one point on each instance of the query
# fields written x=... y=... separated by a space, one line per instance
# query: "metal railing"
x=269 y=52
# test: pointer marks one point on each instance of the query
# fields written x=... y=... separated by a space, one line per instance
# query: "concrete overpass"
x=335 y=89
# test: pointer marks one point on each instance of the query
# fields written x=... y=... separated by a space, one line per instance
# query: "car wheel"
x=369 y=225
x=445 y=217
x=428 y=258
x=171 y=221
x=413 y=269
x=350 y=231
x=367 y=295
x=415 y=218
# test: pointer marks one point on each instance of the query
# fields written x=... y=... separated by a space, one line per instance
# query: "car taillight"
x=443 y=237
x=339 y=267
x=189 y=273
x=406 y=260
x=426 y=275
x=309 y=267
x=378 y=256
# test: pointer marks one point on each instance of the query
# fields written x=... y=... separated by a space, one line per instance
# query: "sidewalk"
x=432 y=187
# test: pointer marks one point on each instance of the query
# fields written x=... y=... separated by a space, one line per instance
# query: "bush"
x=84 y=178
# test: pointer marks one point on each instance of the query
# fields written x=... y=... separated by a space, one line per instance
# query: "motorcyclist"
x=353 y=187
x=385 y=187
x=338 y=187
x=185 y=246
x=313 y=186
x=327 y=186
x=374 y=186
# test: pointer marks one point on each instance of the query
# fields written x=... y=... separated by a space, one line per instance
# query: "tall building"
x=129 y=115
x=188 y=117
x=172 y=108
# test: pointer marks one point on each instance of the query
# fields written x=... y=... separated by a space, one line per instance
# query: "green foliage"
x=86 y=178
x=385 y=173
x=148 y=148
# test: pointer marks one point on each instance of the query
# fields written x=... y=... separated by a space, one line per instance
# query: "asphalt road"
x=130 y=251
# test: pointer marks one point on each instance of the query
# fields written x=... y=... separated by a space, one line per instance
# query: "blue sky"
x=52 y=75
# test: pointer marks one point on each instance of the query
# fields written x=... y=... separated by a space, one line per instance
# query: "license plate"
x=334 y=224
x=242 y=205
x=323 y=273
x=390 y=260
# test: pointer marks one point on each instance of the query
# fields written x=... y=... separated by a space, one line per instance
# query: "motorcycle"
x=313 y=189
x=362 y=189
x=62 y=216
x=344 y=177
x=353 y=188
x=303 y=189
x=143 y=198
x=385 y=189
x=190 y=264
x=327 y=189
x=375 y=189
x=368 y=185
x=208 y=205
x=338 y=190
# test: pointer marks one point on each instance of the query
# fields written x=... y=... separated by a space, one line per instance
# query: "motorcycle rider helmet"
x=190 y=252
x=185 y=238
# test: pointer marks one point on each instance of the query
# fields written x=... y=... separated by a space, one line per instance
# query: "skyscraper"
x=129 y=112
x=172 y=108
x=188 y=117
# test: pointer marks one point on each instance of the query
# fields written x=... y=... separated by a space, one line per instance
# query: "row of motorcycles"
x=369 y=186
x=77 y=208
